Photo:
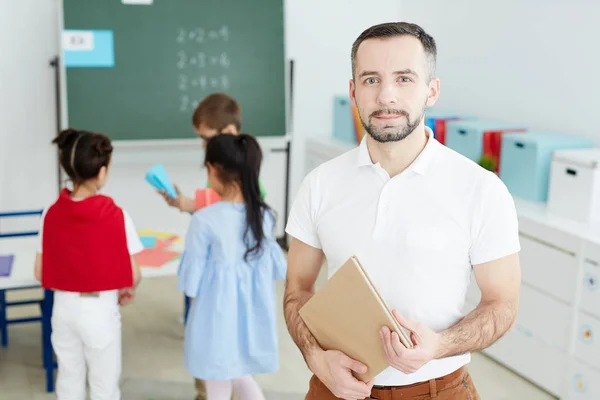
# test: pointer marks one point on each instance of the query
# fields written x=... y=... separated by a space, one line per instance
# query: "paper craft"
x=162 y=244
x=158 y=178
x=149 y=242
x=155 y=257
x=170 y=237
x=160 y=248
x=6 y=263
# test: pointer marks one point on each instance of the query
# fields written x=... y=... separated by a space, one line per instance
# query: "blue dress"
x=231 y=328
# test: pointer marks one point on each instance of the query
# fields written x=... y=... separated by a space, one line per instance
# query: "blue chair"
x=45 y=304
x=4 y=304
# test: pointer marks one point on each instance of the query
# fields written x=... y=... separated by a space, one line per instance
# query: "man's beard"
x=392 y=133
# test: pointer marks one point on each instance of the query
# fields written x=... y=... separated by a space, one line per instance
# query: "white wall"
x=525 y=61
x=319 y=35
x=28 y=41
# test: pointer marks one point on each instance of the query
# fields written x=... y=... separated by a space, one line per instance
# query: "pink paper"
x=155 y=257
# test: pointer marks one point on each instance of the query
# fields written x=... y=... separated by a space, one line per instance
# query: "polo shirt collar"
x=421 y=163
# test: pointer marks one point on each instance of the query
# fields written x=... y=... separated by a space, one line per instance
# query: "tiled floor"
x=152 y=346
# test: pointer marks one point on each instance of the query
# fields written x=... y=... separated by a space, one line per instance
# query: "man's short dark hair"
x=394 y=29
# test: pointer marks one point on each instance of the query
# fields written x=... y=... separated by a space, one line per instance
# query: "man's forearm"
x=478 y=329
x=306 y=342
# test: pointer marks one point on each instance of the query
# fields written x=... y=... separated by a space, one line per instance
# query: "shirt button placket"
x=382 y=214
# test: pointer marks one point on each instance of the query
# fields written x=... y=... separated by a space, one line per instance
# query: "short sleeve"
x=301 y=222
x=134 y=244
x=495 y=226
x=194 y=258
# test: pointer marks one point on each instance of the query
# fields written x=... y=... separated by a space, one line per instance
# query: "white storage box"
x=574 y=188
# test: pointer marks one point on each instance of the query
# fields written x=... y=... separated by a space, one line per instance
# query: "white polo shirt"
x=417 y=234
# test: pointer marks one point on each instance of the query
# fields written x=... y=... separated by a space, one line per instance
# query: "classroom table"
x=22 y=277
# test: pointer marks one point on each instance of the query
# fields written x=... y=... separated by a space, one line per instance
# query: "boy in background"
x=217 y=113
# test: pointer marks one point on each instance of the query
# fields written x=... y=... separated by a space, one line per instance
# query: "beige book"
x=347 y=313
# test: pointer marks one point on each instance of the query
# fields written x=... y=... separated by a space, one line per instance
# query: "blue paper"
x=101 y=54
x=158 y=178
x=6 y=263
x=154 y=182
x=149 y=242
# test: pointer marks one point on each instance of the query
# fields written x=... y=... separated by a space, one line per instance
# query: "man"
x=420 y=217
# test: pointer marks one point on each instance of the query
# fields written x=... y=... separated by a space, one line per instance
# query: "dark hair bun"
x=66 y=138
x=101 y=144
x=83 y=153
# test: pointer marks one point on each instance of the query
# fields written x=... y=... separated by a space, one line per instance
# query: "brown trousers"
x=455 y=386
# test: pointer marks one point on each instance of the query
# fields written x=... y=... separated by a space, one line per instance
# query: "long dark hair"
x=82 y=154
x=237 y=159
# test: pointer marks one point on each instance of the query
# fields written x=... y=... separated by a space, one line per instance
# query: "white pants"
x=86 y=336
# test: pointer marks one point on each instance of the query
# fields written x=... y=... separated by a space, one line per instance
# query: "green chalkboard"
x=171 y=54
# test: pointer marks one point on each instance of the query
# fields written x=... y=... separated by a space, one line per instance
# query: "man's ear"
x=352 y=92
x=434 y=92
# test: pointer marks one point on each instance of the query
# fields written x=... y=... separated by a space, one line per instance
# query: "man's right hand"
x=181 y=202
x=334 y=369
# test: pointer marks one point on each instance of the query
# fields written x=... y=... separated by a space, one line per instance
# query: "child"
x=230 y=261
x=218 y=113
x=86 y=257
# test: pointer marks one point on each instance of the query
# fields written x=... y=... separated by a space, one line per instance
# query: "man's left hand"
x=426 y=345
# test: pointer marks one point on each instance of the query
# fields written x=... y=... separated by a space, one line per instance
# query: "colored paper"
x=155 y=257
x=206 y=197
x=6 y=263
x=160 y=248
x=88 y=48
x=162 y=244
x=171 y=237
x=149 y=242
x=158 y=178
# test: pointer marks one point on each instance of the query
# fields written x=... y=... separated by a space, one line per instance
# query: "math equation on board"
x=202 y=70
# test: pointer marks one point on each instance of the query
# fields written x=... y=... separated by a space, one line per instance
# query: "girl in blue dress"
x=229 y=265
